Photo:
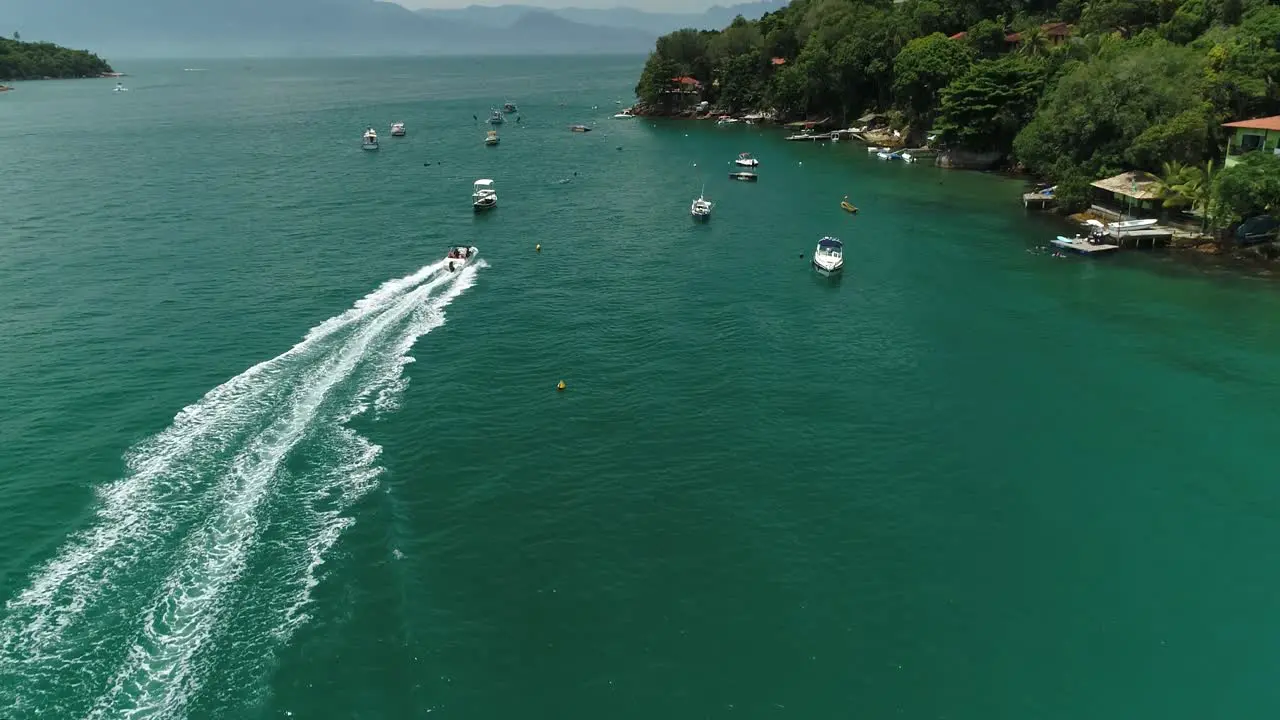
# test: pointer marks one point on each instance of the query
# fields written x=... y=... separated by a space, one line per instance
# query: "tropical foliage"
x=29 y=61
x=1069 y=89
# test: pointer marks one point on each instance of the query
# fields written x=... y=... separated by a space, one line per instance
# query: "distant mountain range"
x=320 y=28
x=500 y=16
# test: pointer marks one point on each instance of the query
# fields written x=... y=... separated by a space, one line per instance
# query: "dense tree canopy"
x=1070 y=89
x=26 y=61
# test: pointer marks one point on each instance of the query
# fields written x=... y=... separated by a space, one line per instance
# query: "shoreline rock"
x=968 y=160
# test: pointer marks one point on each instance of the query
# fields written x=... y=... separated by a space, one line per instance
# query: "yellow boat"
x=848 y=206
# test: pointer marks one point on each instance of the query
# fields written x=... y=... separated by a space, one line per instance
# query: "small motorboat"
x=847 y=206
x=579 y=128
x=509 y=107
x=496 y=118
x=1132 y=224
x=491 y=138
x=828 y=257
x=459 y=256
x=701 y=209
x=483 y=196
x=744 y=176
x=370 y=140
x=120 y=88
x=745 y=160
x=726 y=120
x=625 y=114
x=397 y=129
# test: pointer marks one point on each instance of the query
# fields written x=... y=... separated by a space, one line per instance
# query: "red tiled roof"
x=779 y=61
x=685 y=80
x=1266 y=123
x=959 y=36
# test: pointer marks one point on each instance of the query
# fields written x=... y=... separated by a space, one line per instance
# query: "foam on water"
x=196 y=491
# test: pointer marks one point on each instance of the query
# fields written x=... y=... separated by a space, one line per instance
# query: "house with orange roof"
x=1258 y=134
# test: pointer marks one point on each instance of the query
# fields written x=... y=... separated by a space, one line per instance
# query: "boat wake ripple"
x=228 y=514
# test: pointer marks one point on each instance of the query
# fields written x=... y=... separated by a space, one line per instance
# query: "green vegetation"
x=1071 y=90
x=32 y=61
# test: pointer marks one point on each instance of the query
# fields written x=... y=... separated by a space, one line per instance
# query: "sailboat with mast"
x=701 y=207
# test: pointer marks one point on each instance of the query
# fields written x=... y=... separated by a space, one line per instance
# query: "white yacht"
x=370 y=140
x=459 y=256
x=397 y=129
x=483 y=196
x=491 y=138
x=745 y=160
x=828 y=257
x=701 y=209
x=626 y=113
x=497 y=118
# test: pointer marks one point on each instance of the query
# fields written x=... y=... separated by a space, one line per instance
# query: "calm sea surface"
x=260 y=457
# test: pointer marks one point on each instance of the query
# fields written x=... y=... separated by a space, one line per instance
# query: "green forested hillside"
x=1070 y=89
x=31 y=61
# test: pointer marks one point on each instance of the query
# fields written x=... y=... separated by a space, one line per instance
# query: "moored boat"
x=828 y=256
x=579 y=128
x=509 y=107
x=397 y=129
x=848 y=206
x=483 y=195
x=370 y=140
x=744 y=176
x=459 y=256
x=745 y=160
x=491 y=138
x=1132 y=224
x=496 y=118
x=701 y=208
x=625 y=114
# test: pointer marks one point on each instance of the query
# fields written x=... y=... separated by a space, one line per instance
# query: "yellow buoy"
x=538 y=247
x=561 y=386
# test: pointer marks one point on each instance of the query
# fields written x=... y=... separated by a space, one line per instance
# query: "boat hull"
x=848 y=208
x=700 y=217
x=747 y=163
x=397 y=133
x=369 y=146
x=828 y=268
x=744 y=176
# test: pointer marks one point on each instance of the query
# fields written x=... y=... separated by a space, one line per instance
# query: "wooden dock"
x=1082 y=246
x=1149 y=237
x=1036 y=200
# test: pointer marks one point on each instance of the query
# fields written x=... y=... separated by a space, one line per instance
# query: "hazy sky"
x=691 y=6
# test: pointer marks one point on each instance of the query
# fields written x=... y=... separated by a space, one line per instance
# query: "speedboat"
x=847 y=206
x=579 y=128
x=744 y=176
x=120 y=88
x=459 y=256
x=483 y=196
x=509 y=107
x=828 y=257
x=625 y=114
x=491 y=138
x=701 y=209
x=745 y=160
x=370 y=140
x=1132 y=224
x=496 y=118
x=397 y=129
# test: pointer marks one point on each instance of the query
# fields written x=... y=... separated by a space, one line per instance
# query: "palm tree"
x=1033 y=42
x=1184 y=185
x=1173 y=176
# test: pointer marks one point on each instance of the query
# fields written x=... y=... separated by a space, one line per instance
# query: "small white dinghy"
x=828 y=257
x=1132 y=224
x=483 y=196
x=370 y=140
x=397 y=129
x=459 y=256
x=745 y=160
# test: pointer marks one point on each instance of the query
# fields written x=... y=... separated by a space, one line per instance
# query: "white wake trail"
x=211 y=467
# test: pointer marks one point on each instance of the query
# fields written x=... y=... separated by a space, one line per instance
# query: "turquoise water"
x=967 y=480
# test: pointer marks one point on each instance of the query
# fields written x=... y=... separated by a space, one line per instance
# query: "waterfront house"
x=1133 y=194
x=1253 y=135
